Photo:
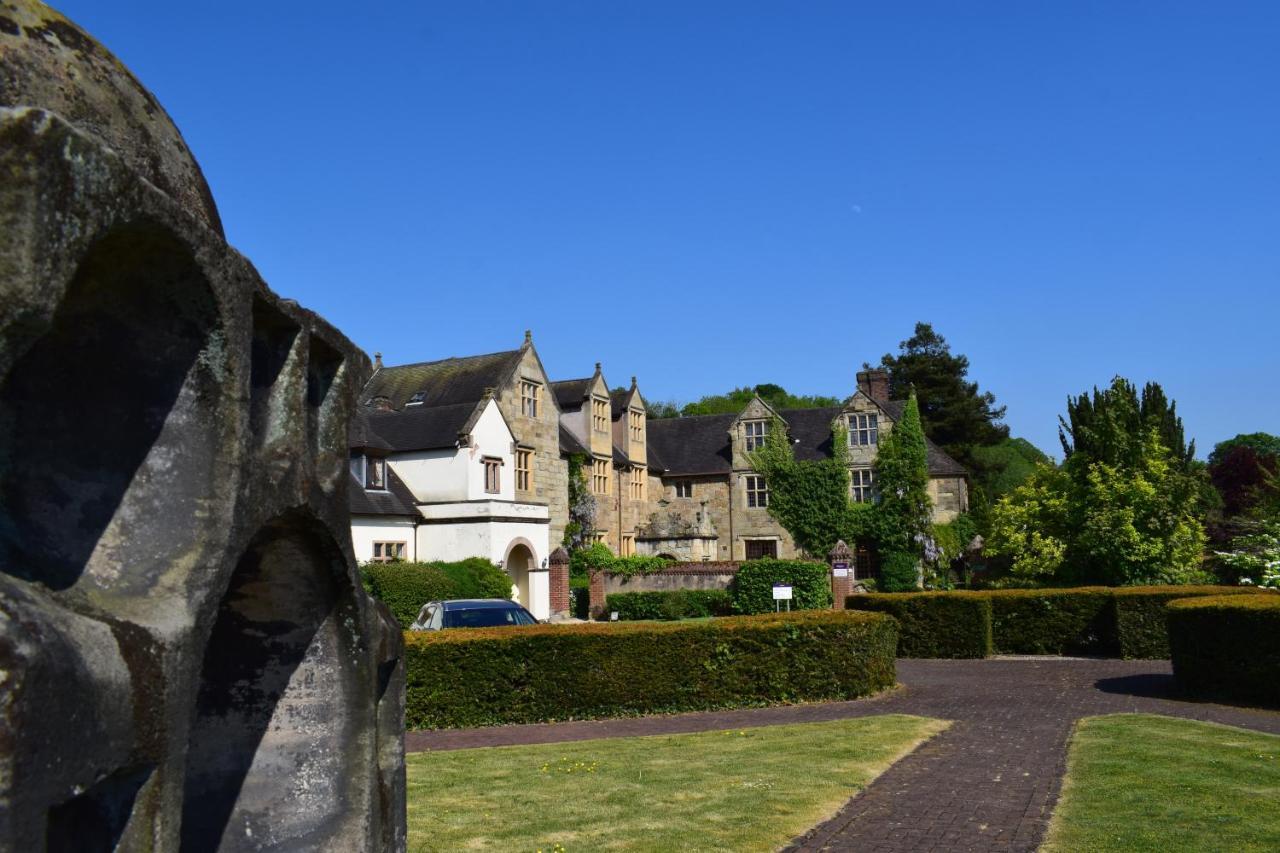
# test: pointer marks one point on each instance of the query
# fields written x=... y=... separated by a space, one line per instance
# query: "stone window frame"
x=600 y=476
x=628 y=545
x=862 y=482
x=684 y=488
x=524 y=469
x=492 y=474
x=637 y=484
x=635 y=419
x=601 y=536
x=754 y=434
x=530 y=398
x=599 y=415
x=757 y=491
x=864 y=429
x=388 y=551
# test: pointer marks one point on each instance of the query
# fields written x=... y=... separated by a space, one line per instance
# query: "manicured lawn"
x=745 y=789
x=1139 y=782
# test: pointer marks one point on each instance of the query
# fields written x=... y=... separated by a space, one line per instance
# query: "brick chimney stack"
x=875 y=384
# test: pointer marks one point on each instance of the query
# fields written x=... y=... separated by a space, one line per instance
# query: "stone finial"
x=489 y=392
x=377 y=361
x=839 y=551
x=633 y=383
x=528 y=337
x=597 y=367
x=559 y=557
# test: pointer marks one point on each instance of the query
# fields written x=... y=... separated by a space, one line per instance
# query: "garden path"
x=986 y=784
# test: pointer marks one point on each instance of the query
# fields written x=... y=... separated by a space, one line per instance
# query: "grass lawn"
x=745 y=789
x=1139 y=782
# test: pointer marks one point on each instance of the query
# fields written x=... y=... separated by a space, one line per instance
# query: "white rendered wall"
x=490 y=437
x=432 y=475
x=367 y=529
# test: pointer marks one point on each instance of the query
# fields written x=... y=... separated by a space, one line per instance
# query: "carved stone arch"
x=109 y=420
x=283 y=695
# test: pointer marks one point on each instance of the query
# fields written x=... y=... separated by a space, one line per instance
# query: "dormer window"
x=863 y=431
x=599 y=414
x=755 y=432
x=375 y=473
x=637 y=426
x=416 y=399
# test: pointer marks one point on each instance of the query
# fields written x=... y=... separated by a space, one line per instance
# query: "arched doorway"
x=519 y=562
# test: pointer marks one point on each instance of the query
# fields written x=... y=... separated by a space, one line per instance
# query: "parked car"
x=471 y=613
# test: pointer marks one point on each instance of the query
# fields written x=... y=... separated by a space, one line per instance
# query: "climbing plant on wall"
x=582 y=506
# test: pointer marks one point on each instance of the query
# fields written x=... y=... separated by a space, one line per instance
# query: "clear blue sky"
x=711 y=195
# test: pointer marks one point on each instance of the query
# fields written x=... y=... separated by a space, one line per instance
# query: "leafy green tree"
x=902 y=482
x=1111 y=425
x=1124 y=507
x=737 y=399
x=659 y=409
x=955 y=414
x=1261 y=443
x=1245 y=471
x=1011 y=463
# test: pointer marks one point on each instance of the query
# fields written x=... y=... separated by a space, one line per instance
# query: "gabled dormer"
x=630 y=423
x=749 y=431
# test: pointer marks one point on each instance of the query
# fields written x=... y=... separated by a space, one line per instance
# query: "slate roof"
x=362 y=436
x=700 y=444
x=446 y=382
x=569 y=443
x=415 y=428
x=618 y=402
x=693 y=445
x=396 y=500
x=571 y=393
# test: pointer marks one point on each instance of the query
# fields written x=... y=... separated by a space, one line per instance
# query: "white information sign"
x=781 y=592
x=841 y=573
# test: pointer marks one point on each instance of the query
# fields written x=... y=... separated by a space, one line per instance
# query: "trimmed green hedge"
x=1140 y=616
x=1227 y=647
x=405 y=587
x=669 y=604
x=487 y=676
x=1109 y=621
x=1052 y=621
x=935 y=624
x=753 y=585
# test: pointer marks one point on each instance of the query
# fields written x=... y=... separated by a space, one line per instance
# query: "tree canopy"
x=955 y=414
x=736 y=400
x=1124 y=506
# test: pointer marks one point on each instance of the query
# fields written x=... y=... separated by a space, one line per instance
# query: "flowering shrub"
x=1256 y=556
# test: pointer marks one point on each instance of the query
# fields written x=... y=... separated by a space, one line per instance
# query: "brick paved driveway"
x=987 y=783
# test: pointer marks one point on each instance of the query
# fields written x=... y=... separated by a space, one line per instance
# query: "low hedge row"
x=935 y=624
x=753 y=585
x=474 y=677
x=1115 y=622
x=404 y=587
x=1227 y=647
x=669 y=605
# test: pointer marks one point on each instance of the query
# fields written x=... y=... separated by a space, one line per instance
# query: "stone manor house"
x=471 y=456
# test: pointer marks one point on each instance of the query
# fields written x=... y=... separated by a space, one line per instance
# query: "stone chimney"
x=377 y=361
x=875 y=384
x=380 y=404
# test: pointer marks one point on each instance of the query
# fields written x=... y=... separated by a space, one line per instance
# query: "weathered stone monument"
x=187 y=659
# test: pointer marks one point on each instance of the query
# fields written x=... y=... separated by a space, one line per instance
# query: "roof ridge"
x=509 y=352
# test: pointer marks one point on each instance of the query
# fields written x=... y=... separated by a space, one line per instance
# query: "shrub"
x=405 y=587
x=486 y=676
x=935 y=624
x=899 y=572
x=598 y=558
x=1140 y=616
x=1227 y=647
x=1052 y=621
x=668 y=605
x=753 y=586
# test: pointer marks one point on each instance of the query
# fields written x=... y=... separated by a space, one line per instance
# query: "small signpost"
x=781 y=593
x=840 y=569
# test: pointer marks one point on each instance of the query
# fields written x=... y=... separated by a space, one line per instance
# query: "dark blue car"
x=471 y=613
